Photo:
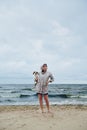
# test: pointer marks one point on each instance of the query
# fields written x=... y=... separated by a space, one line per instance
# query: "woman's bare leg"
x=47 y=101
x=41 y=101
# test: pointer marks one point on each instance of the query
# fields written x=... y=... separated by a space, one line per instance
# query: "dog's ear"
x=34 y=72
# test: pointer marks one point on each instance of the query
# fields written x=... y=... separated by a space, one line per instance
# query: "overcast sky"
x=33 y=32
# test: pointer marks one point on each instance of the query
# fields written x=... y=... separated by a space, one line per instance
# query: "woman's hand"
x=47 y=83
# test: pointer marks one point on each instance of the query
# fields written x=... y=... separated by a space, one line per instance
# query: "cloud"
x=60 y=30
x=36 y=32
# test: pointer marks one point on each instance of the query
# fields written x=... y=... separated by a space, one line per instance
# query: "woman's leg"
x=47 y=101
x=40 y=101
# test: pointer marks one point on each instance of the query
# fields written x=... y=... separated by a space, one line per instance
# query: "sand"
x=31 y=118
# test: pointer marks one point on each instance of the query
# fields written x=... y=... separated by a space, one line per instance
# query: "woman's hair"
x=42 y=69
x=44 y=65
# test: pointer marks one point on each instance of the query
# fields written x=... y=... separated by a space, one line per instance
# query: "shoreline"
x=36 y=107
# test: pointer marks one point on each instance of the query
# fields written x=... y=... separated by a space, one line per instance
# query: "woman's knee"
x=40 y=96
x=46 y=97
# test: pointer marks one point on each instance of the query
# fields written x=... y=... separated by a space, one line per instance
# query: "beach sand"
x=30 y=118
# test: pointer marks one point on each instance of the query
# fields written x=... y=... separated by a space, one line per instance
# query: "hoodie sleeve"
x=51 y=77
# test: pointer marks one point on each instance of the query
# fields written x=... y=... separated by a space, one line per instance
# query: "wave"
x=58 y=95
x=67 y=96
x=17 y=94
x=9 y=100
x=54 y=96
x=84 y=96
x=15 y=91
x=25 y=95
x=83 y=92
x=67 y=102
x=78 y=96
x=29 y=89
x=10 y=91
x=9 y=95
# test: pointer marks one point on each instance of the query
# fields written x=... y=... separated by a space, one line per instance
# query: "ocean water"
x=61 y=94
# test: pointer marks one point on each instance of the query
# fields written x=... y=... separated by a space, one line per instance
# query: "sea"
x=59 y=94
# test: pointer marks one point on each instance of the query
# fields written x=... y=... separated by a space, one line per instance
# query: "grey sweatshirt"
x=42 y=82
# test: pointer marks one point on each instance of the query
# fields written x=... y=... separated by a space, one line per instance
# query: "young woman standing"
x=44 y=79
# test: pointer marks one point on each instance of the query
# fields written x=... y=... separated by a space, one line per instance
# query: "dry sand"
x=30 y=118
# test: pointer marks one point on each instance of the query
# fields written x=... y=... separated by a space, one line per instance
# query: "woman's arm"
x=51 y=79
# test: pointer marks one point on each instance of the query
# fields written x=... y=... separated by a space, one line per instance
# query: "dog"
x=36 y=75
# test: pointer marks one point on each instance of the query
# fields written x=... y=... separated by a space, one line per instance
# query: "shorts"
x=42 y=93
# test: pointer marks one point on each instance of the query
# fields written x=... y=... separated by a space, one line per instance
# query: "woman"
x=44 y=79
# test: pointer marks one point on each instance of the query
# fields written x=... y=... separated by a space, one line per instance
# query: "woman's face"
x=44 y=68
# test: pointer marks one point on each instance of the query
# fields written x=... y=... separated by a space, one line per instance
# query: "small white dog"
x=36 y=76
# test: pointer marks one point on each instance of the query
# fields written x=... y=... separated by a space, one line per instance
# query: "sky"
x=33 y=32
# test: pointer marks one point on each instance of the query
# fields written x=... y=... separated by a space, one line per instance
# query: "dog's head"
x=35 y=73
